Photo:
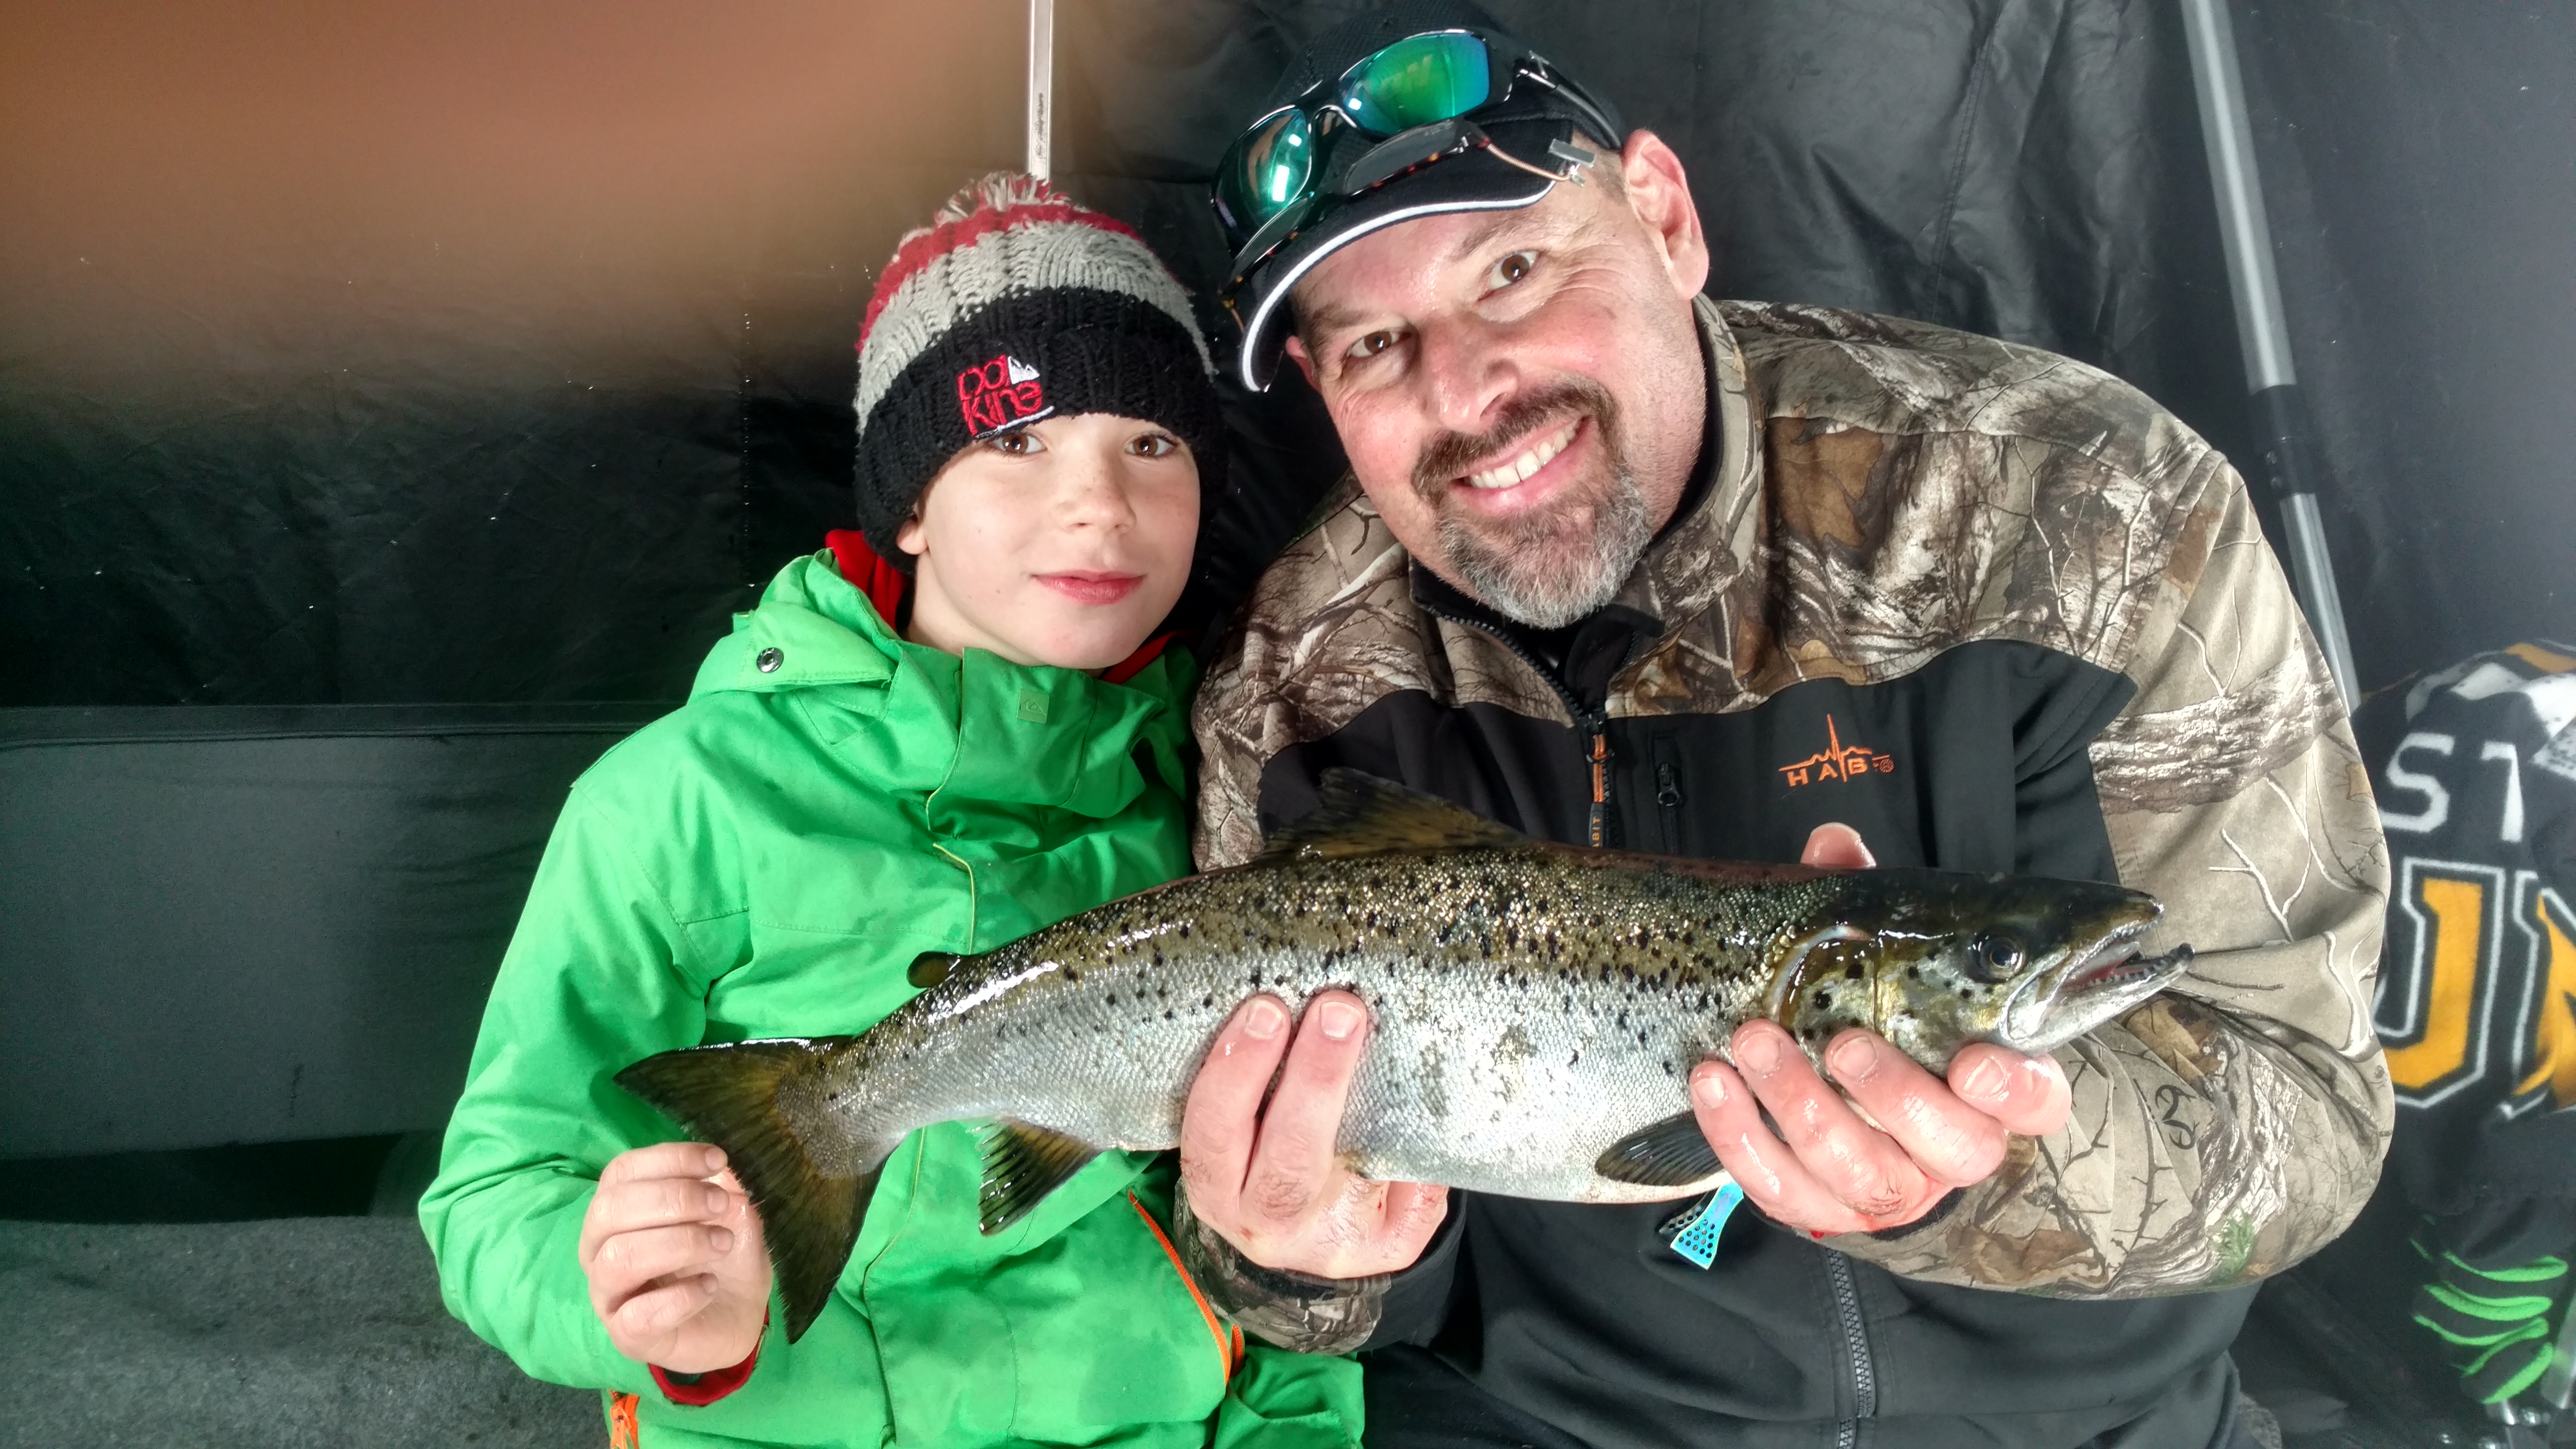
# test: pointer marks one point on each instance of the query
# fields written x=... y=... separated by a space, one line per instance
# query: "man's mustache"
x=1450 y=455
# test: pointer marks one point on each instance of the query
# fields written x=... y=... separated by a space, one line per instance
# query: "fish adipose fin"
x=749 y=1098
x=1022 y=1164
x=1364 y=815
x=1671 y=1153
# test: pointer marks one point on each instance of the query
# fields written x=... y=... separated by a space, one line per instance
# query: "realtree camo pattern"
x=1907 y=489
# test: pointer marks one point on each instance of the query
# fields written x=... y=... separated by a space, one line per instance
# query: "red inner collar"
x=884 y=584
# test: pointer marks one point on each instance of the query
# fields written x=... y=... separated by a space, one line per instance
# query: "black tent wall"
x=493 y=353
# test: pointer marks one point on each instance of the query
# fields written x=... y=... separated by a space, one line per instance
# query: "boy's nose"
x=1095 y=494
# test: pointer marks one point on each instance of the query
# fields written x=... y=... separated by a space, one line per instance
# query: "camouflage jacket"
x=1999 y=611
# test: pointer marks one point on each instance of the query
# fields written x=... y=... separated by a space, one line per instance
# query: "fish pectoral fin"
x=1671 y=1153
x=1023 y=1162
x=1364 y=815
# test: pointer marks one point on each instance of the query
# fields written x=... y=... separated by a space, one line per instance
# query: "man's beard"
x=1551 y=566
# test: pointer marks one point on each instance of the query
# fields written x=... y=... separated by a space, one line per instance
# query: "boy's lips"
x=1086 y=587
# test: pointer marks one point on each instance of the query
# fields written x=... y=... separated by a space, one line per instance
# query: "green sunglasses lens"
x=1265 y=171
x=1416 y=82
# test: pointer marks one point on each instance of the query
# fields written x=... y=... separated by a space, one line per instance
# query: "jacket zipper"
x=1600 y=758
x=1668 y=790
x=1594 y=721
x=1856 y=1344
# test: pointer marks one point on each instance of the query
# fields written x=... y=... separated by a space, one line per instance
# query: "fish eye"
x=1994 y=956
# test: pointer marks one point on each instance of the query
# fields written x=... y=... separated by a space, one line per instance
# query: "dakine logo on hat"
x=1000 y=393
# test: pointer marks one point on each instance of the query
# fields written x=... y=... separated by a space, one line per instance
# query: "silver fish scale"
x=1530 y=1009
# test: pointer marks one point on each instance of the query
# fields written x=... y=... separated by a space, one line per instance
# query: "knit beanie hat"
x=1015 y=305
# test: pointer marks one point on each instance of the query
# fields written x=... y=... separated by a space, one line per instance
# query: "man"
x=1627 y=567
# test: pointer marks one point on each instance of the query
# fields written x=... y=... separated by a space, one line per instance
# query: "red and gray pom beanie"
x=1015 y=305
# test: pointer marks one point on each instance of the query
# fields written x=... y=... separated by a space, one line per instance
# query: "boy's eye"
x=1153 y=445
x=1512 y=268
x=1018 y=443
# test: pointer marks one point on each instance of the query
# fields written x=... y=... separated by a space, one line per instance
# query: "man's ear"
x=1297 y=354
x=908 y=535
x=1659 y=193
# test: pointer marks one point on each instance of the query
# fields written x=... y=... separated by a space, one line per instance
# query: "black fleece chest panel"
x=1579 y=1315
x=1976 y=761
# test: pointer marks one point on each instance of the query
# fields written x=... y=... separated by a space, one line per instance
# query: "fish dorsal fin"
x=1670 y=1153
x=1023 y=1162
x=1364 y=815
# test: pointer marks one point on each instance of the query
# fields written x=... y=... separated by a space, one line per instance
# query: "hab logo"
x=1837 y=761
x=1000 y=393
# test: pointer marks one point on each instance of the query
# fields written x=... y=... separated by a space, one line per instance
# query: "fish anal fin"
x=1023 y=1162
x=1670 y=1153
x=1364 y=815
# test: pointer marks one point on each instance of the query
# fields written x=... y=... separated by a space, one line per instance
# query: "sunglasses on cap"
x=1411 y=102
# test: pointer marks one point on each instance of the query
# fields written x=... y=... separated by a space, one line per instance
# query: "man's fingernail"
x=720 y=1239
x=1262 y=1020
x=1854 y=1059
x=1985 y=1079
x=718 y=1200
x=1757 y=1051
x=715 y=1160
x=1710 y=1089
x=1339 y=1019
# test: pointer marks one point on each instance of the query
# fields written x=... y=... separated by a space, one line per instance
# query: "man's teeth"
x=1504 y=475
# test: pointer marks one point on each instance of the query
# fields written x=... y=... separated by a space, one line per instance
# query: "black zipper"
x=1594 y=722
x=1668 y=789
x=1856 y=1344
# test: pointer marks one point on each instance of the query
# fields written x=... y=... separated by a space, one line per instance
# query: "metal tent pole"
x=1041 y=148
x=2280 y=413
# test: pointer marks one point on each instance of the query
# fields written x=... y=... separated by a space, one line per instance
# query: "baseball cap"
x=1534 y=121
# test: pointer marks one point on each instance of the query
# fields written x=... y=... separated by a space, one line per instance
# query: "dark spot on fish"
x=1852 y=972
x=1208 y=1000
x=1167 y=1013
x=1824 y=1000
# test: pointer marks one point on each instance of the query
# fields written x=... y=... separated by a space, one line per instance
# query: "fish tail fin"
x=757 y=1100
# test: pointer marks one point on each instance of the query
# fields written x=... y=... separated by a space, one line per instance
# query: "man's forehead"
x=1341 y=286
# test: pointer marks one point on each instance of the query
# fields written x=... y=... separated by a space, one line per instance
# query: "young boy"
x=948 y=730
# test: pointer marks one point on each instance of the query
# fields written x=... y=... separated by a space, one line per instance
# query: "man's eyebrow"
x=1478 y=237
x=1325 y=317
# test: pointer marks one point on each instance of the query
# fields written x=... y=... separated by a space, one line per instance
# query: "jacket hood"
x=969 y=730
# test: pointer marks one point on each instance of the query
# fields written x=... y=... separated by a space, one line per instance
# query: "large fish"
x=1537 y=1010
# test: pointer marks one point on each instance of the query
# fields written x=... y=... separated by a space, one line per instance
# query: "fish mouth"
x=2060 y=1004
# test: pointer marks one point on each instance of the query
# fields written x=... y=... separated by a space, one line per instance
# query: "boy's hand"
x=672 y=1249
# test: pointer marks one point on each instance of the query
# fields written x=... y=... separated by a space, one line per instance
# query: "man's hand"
x=1271 y=1182
x=673 y=1253
x=1894 y=1141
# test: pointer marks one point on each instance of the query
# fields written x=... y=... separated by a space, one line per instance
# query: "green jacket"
x=767 y=861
